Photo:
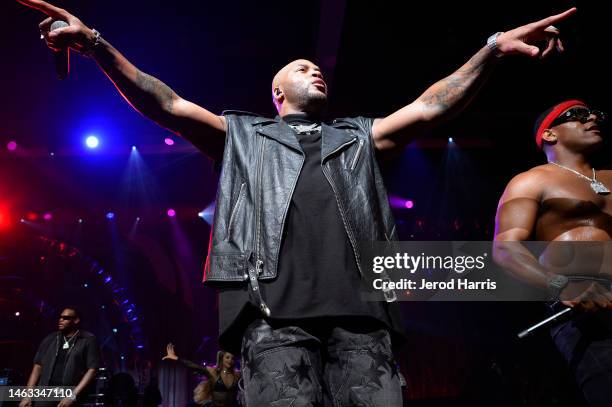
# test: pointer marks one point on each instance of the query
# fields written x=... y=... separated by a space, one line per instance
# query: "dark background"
x=377 y=57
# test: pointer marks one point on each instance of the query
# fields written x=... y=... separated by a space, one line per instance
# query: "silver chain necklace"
x=67 y=342
x=306 y=128
x=596 y=186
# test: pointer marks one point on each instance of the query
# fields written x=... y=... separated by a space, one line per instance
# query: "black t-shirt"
x=317 y=269
x=69 y=364
x=57 y=376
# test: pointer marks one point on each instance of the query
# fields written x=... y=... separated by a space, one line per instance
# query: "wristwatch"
x=492 y=44
x=91 y=47
x=556 y=284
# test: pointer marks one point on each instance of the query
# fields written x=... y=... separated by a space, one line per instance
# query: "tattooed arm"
x=450 y=95
x=443 y=99
x=157 y=101
x=148 y=95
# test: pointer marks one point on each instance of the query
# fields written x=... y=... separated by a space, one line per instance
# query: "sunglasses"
x=580 y=114
x=67 y=317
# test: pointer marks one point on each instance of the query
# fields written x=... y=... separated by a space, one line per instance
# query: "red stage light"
x=32 y=216
x=4 y=220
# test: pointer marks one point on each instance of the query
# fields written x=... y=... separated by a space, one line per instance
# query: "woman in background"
x=221 y=387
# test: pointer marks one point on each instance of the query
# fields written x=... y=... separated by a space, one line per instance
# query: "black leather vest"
x=260 y=168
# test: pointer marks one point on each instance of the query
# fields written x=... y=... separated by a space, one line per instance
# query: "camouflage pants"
x=286 y=365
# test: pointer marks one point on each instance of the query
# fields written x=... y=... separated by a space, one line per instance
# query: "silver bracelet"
x=492 y=44
x=89 y=51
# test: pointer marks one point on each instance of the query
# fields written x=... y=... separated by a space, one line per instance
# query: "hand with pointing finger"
x=523 y=40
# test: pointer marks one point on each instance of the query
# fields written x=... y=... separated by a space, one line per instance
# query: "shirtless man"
x=567 y=200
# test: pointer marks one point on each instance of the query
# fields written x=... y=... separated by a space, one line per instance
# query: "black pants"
x=314 y=365
x=586 y=345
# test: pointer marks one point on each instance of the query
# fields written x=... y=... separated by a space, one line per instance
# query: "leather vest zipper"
x=349 y=232
x=286 y=210
x=230 y=226
x=259 y=263
x=357 y=154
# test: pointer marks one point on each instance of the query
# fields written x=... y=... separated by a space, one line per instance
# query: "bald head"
x=299 y=87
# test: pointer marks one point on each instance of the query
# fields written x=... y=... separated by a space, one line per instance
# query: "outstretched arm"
x=148 y=95
x=171 y=355
x=450 y=95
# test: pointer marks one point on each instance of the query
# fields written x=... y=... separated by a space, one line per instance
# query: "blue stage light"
x=92 y=142
x=110 y=215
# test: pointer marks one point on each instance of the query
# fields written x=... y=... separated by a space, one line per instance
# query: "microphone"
x=62 y=58
x=558 y=317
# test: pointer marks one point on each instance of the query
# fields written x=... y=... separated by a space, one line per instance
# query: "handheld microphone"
x=556 y=318
x=62 y=58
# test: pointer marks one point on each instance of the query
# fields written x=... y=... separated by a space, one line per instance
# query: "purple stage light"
x=11 y=145
x=171 y=213
x=47 y=216
x=169 y=141
x=400 y=203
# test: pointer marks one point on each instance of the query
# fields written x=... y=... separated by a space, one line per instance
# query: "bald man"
x=296 y=196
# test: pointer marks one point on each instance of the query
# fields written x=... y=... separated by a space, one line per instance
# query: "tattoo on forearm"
x=449 y=90
x=159 y=90
x=459 y=86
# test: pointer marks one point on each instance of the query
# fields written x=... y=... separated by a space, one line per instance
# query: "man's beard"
x=310 y=102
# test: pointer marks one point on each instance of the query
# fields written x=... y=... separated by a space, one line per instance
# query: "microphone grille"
x=58 y=24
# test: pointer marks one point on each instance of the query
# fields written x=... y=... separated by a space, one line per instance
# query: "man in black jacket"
x=296 y=196
x=68 y=357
